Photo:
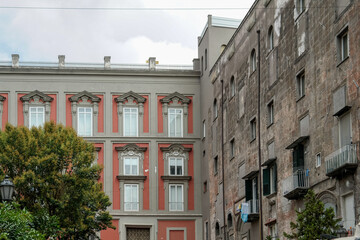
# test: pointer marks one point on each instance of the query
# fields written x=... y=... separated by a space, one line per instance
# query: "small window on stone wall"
x=253 y=61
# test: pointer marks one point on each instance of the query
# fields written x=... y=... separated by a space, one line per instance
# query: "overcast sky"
x=128 y=36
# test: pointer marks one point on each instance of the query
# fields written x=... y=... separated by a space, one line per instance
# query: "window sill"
x=231 y=97
x=270 y=124
x=342 y=61
x=271 y=195
x=252 y=140
x=176 y=178
x=299 y=98
x=131 y=177
x=252 y=72
x=232 y=158
x=215 y=118
x=299 y=15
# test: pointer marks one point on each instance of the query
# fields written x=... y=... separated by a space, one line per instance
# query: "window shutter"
x=275 y=177
x=248 y=189
x=300 y=156
x=266 y=181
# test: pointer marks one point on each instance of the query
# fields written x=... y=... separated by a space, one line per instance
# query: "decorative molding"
x=36 y=96
x=176 y=97
x=130 y=96
x=97 y=149
x=131 y=147
x=2 y=98
x=176 y=150
x=84 y=96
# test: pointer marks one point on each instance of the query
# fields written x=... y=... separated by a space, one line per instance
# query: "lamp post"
x=6 y=189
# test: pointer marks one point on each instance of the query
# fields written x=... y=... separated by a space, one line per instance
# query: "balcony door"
x=345 y=130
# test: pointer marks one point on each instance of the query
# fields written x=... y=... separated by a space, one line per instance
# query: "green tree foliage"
x=17 y=224
x=314 y=220
x=53 y=172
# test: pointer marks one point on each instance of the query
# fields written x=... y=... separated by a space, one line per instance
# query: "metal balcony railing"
x=343 y=156
x=294 y=184
x=253 y=206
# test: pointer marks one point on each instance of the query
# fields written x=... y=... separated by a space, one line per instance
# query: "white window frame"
x=181 y=124
x=182 y=197
x=91 y=120
x=253 y=61
x=270 y=113
x=271 y=38
x=132 y=200
x=300 y=82
x=318 y=160
x=204 y=129
x=232 y=86
x=342 y=43
x=36 y=114
x=137 y=165
x=136 y=122
x=176 y=160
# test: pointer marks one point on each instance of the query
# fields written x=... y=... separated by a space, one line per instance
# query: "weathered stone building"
x=308 y=117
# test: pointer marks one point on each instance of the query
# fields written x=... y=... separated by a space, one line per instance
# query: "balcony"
x=253 y=210
x=297 y=185
x=341 y=162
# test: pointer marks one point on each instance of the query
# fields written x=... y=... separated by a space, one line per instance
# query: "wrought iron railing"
x=299 y=179
x=342 y=156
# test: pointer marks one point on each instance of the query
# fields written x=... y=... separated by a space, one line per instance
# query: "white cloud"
x=127 y=36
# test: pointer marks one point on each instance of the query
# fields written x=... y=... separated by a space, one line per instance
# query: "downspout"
x=222 y=154
x=259 y=142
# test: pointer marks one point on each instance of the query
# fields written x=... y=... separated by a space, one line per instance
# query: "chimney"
x=107 y=63
x=15 y=60
x=152 y=63
x=196 y=64
x=61 y=61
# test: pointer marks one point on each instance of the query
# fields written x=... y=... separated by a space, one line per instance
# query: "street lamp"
x=6 y=189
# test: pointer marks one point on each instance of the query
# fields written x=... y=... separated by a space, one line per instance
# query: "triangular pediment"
x=2 y=98
x=36 y=95
x=138 y=98
x=84 y=94
x=176 y=97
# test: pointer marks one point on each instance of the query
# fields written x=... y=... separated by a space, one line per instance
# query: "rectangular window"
x=85 y=121
x=205 y=187
x=206 y=231
x=36 y=116
x=343 y=45
x=300 y=6
x=131 y=197
x=215 y=165
x=130 y=121
x=270 y=108
x=175 y=122
x=176 y=166
x=253 y=129
x=204 y=129
x=300 y=84
x=269 y=180
x=232 y=148
x=176 y=199
x=318 y=160
x=131 y=166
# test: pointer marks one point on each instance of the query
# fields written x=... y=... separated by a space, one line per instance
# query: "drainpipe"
x=259 y=142
x=222 y=153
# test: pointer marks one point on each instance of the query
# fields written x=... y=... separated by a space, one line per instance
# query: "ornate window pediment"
x=36 y=96
x=131 y=98
x=85 y=97
x=130 y=108
x=176 y=158
x=85 y=109
x=176 y=99
x=2 y=98
x=175 y=114
x=126 y=154
x=36 y=108
x=176 y=150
